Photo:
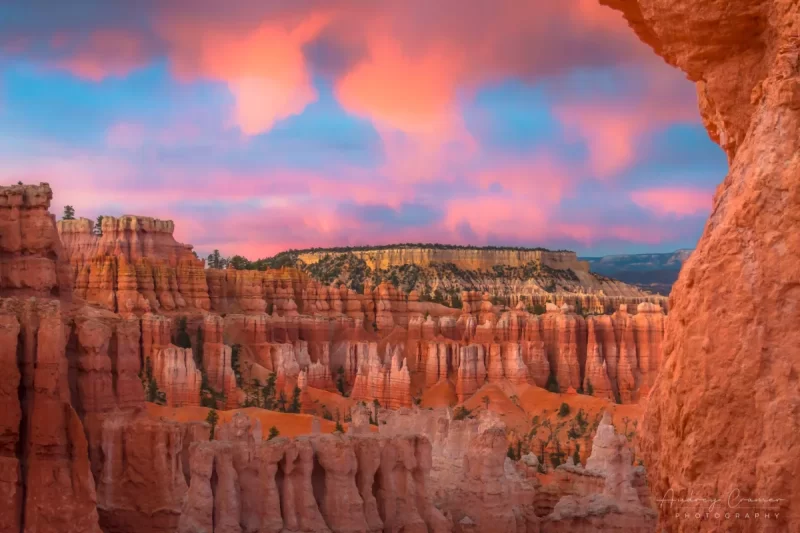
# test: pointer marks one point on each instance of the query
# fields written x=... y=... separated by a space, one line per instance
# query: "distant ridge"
x=653 y=272
x=429 y=245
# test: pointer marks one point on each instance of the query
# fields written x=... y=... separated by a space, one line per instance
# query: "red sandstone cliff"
x=722 y=415
x=135 y=265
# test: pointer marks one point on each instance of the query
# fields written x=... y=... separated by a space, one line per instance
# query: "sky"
x=263 y=125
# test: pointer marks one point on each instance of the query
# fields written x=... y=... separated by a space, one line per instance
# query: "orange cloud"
x=264 y=68
x=397 y=91
x=679 y=201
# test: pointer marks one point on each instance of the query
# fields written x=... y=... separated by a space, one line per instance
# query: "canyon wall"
x=81 y=453
x=291 y=325
x=723 y=414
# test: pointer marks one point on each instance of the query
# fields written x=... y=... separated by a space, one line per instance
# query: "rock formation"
x=32 y=262
x=358 y=482
x=47 y=483
x=727 y=394
x=134 y=265
x=603 y=496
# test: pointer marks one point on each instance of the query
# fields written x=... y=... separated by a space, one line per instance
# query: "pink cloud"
x=125 y=135
x=105 y=53
x=264 y=67
x=679 y=201
x=612 y=125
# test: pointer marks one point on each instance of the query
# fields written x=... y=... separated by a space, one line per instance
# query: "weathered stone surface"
x=46 y=481
x=32 y=260
x=139 y=466
x=134 y=266
x=727 y=394
x=216 y=360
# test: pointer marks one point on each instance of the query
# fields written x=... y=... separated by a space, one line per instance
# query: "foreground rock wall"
x=481 y=489
x=319 y=483
x=723 y=415
x=46 y=483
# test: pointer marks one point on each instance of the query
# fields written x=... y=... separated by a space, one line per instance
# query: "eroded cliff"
x=723 y=415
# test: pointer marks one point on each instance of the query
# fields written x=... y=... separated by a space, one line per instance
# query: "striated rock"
x=46 y=481
x=32 y=260
x=138 y=464
x=216 y=359
x=317 y=484
x=628 y=373
x=514 y=368
x=236 y=291
x=649 y=325
x=342 y=506
x=388 y=382
x=134 y=266
x=177 y=376
x=561 y=331
x=105 y=359
x=727 y=393
x=471 y=371
x=596 y=380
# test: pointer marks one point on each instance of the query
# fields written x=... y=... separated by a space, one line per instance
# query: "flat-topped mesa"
x=32 y=260
x=466 y=258
x=133 y=265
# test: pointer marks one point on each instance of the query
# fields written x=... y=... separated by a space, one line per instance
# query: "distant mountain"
x=654 y=272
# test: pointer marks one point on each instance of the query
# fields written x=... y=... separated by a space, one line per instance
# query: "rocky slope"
x=723 y=415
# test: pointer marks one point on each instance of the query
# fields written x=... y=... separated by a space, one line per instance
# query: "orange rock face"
x=31 y=258
x=386 y=380
x=311 y=484
x=134 y=266
x=46 y=481
x=723 y=414
x=106 y=356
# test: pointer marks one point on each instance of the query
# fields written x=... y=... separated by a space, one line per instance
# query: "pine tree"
x=98 y=227
x=510 y=453
x=69 y=213
x=182 y=339
x=268 y=392
x=273 y=432
x=294 y=407
x=282 y=402
x=552 y=384
x=212 y=419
